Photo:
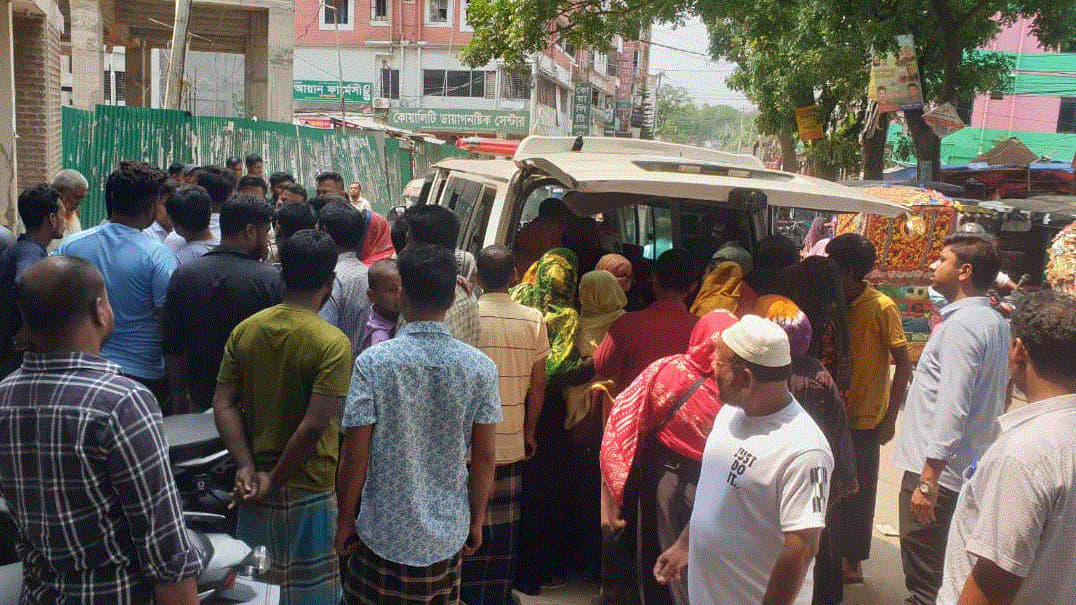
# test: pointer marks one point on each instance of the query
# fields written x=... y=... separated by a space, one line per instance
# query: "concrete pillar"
x=8 y=184
x=38 y=121
x=256 y=67
x=281 y=72
x=139 y=72
x=87 y=46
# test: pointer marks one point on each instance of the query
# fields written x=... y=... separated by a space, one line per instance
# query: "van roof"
x=499 y=170
x=606 y=165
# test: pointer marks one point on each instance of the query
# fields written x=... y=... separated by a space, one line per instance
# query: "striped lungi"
x=372 y=580
x=298 y=528
x=488 y=574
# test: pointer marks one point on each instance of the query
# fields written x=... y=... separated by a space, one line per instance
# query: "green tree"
x=792 y=53
x=679 y=120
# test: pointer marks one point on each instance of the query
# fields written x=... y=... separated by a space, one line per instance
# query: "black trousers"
x=852 y=518
x=828 y=575
x=922 y=547
x=159 y=388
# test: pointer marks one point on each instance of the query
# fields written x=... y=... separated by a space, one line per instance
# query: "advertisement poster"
x=459 y=120
x=808 y=124
x=894 y=81
x=581 y=109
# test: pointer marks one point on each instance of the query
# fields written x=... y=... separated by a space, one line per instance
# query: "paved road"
x=883 y=576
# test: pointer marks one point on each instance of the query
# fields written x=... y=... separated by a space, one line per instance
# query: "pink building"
x=400 y=56
x=1044 y=99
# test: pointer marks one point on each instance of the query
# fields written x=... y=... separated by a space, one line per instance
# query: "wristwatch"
x=927 y=489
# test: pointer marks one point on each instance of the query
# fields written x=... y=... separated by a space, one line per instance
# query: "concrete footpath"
x=883 y=577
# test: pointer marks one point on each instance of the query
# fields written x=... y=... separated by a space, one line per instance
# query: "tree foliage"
x=679 y=120
x=792 y=53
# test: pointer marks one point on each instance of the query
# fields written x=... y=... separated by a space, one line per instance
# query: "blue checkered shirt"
x=84 y=470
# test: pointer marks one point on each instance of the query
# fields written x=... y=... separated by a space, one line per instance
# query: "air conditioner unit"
x=381 y=103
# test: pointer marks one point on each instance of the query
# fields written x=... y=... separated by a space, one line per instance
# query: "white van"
x=653 y=195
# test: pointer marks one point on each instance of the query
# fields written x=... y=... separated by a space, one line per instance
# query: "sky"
x=704 y=78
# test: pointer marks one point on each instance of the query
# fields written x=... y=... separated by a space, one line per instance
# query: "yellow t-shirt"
x=276 y=359
x=875 y=327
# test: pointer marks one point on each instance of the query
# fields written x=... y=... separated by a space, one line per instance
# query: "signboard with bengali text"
x=581 y=109
x=460 y=120
x=329 y=91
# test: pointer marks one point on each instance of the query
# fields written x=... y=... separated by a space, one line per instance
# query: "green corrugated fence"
x=94 y=142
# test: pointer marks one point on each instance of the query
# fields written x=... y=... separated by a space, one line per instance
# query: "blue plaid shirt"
x=84 y=470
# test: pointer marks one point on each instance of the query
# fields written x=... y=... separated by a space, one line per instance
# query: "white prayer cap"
x=759 y=341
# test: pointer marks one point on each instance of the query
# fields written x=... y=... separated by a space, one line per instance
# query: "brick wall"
x=37 y=98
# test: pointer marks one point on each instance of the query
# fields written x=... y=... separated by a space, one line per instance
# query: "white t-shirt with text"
x=761 y=476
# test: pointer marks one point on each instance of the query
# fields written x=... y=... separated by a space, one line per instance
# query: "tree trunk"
x=788 y=152
x=927 y=145
x=874 y=151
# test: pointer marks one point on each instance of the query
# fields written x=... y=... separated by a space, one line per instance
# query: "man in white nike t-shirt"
x=760 y=505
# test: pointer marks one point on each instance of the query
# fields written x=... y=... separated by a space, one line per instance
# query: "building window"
x=516 y=85
x=547 y=93
x=453 y=83
x=108 y=87
x=613 y=63
x=437 y=11
x=1066 y=118
x=379 y=10
x=337 y=12
x=390 y=83
x=121 y=86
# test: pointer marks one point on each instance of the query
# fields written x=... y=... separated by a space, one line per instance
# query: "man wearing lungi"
x=417 y=406
x=282 y=381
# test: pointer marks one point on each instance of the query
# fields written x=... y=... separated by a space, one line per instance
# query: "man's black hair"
x=253 y=159
x=294 y=188
x=344 y=223
x=242 y=210
x=320 y=201
x=189 y=206
x=291 y=218
x=1045 y=322
x=307 y=260
x=675 y=269
x=432 y=224
x=854 y=253
x=176 y=168
x=428 y=276
x=253 y=181
x=219 y=183
x=36 y=204
x=398 y=233
x=495 y=266
x=56 y=292
x=233 y=161
x=554 y=207
x=280 y=177
x=776 y=252
x=979 y=251
x=381 y=270
x=133 y=189
x=330 y=176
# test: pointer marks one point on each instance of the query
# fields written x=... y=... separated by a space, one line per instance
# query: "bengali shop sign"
x=581 y=109
x=318 y=90
x=460 y=120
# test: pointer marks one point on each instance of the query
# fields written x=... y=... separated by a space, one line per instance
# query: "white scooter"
x=200 y=465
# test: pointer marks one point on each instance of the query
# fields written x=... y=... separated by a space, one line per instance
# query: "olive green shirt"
x=276 y=359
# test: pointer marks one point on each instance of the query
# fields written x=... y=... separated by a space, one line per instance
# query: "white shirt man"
x=760 y=505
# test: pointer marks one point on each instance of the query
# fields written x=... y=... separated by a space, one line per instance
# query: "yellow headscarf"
x=601 y=302
x=720 y=290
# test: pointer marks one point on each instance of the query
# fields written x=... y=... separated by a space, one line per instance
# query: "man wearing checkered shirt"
x=83 y=459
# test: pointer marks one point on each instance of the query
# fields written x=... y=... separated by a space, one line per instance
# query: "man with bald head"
x=83 y=459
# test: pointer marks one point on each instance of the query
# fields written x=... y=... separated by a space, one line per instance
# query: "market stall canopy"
x=1011 y=151
x=1064 y=205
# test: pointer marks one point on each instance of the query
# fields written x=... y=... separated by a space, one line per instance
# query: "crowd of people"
x=411 y=423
